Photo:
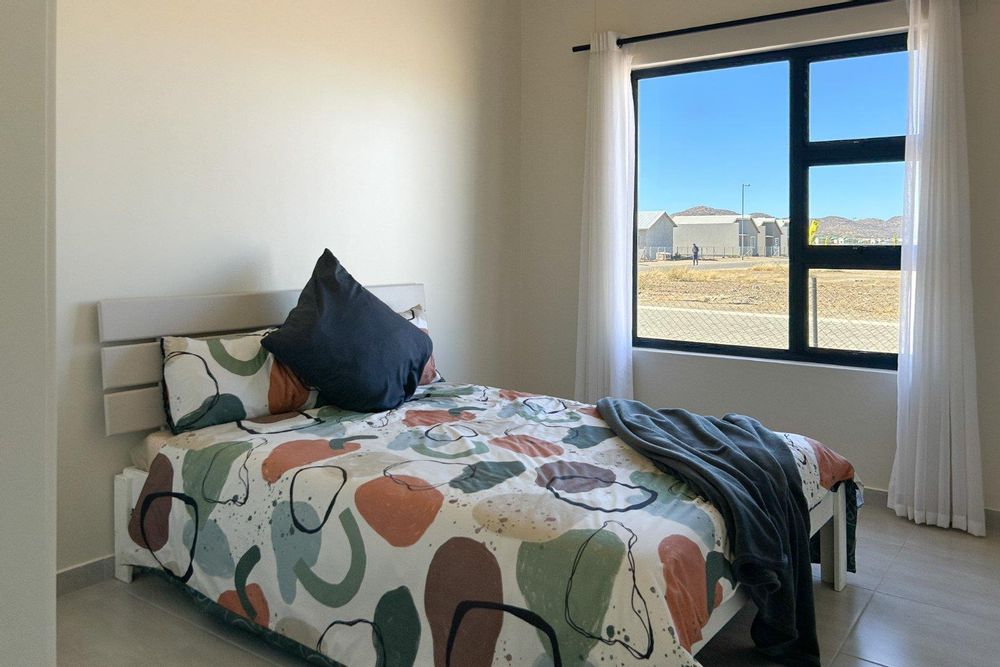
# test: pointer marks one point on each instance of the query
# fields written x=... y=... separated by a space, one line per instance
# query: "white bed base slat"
x=133 y=410
x=130 y=365
x=136 y=319
x=130 y=373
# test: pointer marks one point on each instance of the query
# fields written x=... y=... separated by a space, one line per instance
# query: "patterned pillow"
x=416 y=317
x=209 y=381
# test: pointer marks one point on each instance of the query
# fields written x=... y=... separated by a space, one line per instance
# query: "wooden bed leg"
x=123 y=510
x=833 y=544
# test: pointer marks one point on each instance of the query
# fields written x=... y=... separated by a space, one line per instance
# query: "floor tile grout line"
x=191 y=623
x=864 y=539
x=937 y=606
x=941 y=553
x=858 y=657
x=917 y=551
x=854 y=623
x=899 y=596
x=885 y=572
x=185 y=622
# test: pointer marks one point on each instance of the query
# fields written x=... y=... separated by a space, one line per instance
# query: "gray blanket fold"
x=749 y=474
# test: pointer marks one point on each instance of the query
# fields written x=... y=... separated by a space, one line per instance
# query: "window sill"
x=640 y=351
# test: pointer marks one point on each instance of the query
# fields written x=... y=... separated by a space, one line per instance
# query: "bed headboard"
x=130 y=351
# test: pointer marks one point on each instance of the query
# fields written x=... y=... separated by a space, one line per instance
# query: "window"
x=769 y=200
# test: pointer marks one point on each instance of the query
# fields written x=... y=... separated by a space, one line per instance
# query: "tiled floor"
x=922 y=596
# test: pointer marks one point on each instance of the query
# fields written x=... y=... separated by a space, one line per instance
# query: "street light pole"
x=743 y=214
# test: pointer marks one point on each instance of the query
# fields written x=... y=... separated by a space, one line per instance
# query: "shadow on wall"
x=84 y=452
x=488 y=169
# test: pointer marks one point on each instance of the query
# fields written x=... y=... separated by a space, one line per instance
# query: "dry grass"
x=686 y=275
x=770 y=266
x=763 y=288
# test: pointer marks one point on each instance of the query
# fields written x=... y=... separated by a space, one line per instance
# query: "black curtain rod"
x=806 y=11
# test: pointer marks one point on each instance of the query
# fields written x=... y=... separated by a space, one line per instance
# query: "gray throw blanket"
x=749 y=474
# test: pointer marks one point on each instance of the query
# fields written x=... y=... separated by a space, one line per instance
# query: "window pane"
x=856 y=204
x=722 y=300
x=856 y=98
x=853 y=309
x=713 y=173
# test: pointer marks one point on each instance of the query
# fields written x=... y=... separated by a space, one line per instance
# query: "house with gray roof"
x=771 y=239
x=654 y=229
x=716 y=235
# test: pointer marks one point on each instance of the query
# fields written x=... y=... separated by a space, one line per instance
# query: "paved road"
x=760 y=329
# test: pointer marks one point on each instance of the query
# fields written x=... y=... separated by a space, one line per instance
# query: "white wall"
x=27 y=397
x=981 y=23
x=801 y=398
x=852 y=410
x=220 y=146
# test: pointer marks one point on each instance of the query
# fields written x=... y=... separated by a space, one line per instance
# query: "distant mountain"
x=832 y=226
x=862 y=228
x=705 y=210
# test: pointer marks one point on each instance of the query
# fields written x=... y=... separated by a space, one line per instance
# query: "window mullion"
x=798 y=191
x=855 y=151
x=853 y=257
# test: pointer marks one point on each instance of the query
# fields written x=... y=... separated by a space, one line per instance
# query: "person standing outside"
x=694 y=254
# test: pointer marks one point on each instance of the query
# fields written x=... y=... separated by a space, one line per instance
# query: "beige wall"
x=27 y=397
x=852 y=410
x=220 y=146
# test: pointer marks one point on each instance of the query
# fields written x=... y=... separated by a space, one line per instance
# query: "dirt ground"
x=763 y=288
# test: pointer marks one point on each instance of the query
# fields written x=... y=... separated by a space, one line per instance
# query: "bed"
x=472 y=525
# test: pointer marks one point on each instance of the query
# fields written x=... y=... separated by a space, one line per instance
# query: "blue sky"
x=703 y=134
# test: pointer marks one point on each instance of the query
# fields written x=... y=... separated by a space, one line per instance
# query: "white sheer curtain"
x=604 y=329
x=937 y=474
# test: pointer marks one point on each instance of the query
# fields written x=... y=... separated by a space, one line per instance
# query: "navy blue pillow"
x=347 y=343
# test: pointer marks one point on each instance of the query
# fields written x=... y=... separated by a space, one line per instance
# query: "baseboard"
x=86 y=574
x=880 y=497
x=876 y=497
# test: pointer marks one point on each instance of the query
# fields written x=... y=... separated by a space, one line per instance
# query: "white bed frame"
x=131 y=369
x=829 y=518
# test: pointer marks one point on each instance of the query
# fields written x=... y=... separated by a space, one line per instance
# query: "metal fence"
x=661 y=253
x=775 y=251
x=713 y=326
x=763 y=329
x=834 y=322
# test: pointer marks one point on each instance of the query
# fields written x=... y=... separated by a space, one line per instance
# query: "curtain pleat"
x=604 y=329
x=937 y=471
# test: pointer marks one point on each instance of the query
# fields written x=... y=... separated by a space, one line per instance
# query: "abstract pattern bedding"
x=471 y=526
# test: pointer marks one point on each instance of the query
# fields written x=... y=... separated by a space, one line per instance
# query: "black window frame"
x=803 y=154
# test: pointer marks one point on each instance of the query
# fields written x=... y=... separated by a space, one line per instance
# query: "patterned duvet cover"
x=472 y=526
